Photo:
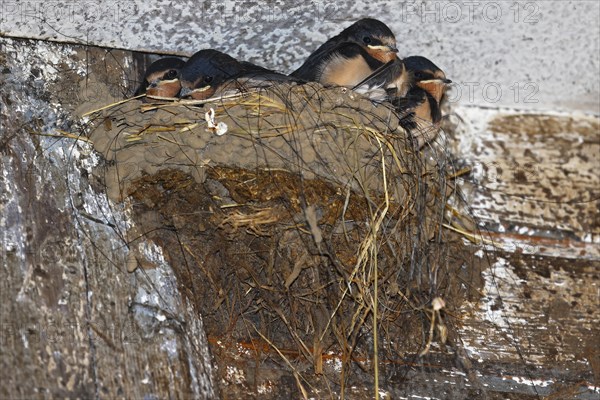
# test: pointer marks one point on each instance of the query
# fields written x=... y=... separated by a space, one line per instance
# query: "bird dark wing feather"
x=375 y=86
x=381 y=76
x=254 y=76
x=414 y=97
x=248 y=66
x=422 y=129
x=309 y=71
x=405 y=105
x=257 y=72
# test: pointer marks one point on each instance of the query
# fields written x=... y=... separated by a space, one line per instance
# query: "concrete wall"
x=525 y=54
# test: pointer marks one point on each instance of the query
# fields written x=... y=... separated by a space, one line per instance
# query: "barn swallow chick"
x=420 y=108
x=350 y=57
x=210 y=71
x=162 y=78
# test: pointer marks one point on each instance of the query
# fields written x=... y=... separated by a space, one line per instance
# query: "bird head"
x=375 y=37
x=162 y=78
x=205 y=72
x=426 y=75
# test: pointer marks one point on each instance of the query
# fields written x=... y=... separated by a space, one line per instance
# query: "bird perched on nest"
x=354 y=55
x=210 y=71
x=420 y=109
x=162 y=78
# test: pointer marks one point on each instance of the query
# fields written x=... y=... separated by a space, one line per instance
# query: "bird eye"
x=208 y=79
x=420 y=75
x=171 y=74
x=367 y=40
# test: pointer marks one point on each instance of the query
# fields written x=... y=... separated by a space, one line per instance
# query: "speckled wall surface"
x=524 y=54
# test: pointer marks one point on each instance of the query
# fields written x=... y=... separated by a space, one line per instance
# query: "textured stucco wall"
x=524 y=54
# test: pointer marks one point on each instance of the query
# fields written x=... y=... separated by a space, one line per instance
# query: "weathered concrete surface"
x=535 y=192
x=538 y=312
x=73 y=321
x=535 y=178
x=527 y=54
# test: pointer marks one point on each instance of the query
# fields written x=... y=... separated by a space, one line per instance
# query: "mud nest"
x=299 y=217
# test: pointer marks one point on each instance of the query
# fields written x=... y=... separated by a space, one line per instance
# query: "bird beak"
x=385 y=48
x=201 y=89
x=437 y=80
x=167 y=81
x=187 y=92
x=160 y=82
